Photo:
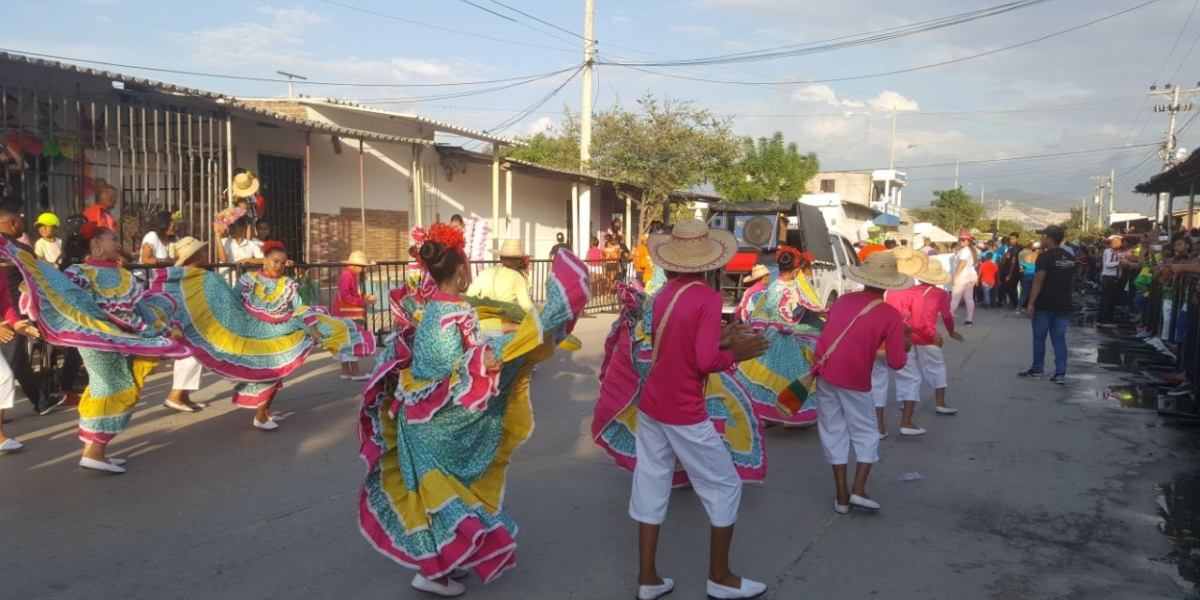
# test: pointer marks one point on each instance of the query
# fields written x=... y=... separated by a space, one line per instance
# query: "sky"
x=1077 y=100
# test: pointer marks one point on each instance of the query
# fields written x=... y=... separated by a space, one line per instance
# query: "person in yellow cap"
x=49 y=246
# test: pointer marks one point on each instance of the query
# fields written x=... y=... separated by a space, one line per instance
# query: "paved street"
x=1032 y=491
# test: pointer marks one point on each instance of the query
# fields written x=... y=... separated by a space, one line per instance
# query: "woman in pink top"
x=859 y=323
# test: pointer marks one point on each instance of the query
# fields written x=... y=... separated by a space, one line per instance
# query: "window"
x=828 y=186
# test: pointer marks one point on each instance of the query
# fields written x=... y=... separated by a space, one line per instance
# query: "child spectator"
x=49 y=246
x=987 y=277
x=352 y=304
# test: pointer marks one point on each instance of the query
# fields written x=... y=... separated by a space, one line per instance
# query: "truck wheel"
x=832 y=296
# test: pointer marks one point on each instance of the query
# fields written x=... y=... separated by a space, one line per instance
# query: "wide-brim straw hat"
x=879 y=271
x=358 y=258
x=509 y=249
x=244 y=185
x=692 y=247
x=934 y=274
x=187 y=247
x=758 y=272
x=909 y=261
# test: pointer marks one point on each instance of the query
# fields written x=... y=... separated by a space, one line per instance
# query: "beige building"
x=866 y=198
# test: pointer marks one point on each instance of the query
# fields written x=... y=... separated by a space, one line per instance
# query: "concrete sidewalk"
x=1032 y=491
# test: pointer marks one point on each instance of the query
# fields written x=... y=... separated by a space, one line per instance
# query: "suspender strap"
x=658 y=331
x=829 y=351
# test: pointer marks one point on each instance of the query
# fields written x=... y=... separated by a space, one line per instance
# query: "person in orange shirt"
x=641 y=260
x=988 y=270
x=870 y=249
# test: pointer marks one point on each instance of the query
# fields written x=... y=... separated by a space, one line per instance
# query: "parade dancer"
x=758 y=279
x=673 y=425
x=185 y=374
x=443 y=414
x=859 y=324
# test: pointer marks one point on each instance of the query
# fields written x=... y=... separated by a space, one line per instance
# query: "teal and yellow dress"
x=438 y=430
x=788 y=314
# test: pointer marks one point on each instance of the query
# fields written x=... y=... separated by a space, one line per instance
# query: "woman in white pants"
x=965 y=276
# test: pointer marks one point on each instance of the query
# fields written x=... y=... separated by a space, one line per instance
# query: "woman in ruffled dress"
x=443 y=414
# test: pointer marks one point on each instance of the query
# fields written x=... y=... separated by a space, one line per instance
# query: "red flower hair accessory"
x=272 y=245
x=789 y=250
x=807 y=257
x=451 y=238
x=88 y=230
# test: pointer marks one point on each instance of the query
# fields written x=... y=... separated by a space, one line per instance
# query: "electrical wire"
x=1176 y=44
x=546 y=23
x=522 y=24
x=446 y=29
x=901 y=71
x=513 y=120
x=1029 y=157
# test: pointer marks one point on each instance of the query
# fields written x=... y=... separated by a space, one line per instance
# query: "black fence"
x=1178 y=324
x=319 y=282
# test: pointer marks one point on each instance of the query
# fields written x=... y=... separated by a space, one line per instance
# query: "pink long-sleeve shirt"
x=923 y=305
x=850 y=364
x=349 y=302
x=8 y=310
x=688 y=351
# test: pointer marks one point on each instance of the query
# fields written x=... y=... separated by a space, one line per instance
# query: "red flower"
x=272 y=245
x=789 y=250
x=449 y=237
x=87 y=230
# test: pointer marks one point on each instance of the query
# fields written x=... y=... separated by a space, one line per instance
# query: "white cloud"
x=887 y=100
x=541 y=125
x=701 y=30
x=621 y=19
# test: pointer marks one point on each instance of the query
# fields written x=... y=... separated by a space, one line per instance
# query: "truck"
x=762 y=227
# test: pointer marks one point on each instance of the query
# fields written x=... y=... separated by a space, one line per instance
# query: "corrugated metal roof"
x=327 y=128
x=434 y=123
x=20 y=59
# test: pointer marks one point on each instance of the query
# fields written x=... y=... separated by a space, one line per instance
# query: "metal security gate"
x=283 y=188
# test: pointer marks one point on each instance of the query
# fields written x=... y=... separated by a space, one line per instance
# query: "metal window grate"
x=283 y=187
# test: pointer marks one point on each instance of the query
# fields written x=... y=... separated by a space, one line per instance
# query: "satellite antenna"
x=292 y=77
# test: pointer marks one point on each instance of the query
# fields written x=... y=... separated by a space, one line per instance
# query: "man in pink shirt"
x=859 y=324
x=673 y=425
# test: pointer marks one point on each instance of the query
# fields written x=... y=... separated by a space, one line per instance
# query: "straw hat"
x=934 y=274
x=186 y=247
x=509 y=249
x=879 y=271
x=359 y=258
x=758 y=272
x=244 y=185
x=692 y=247
x=909 y=261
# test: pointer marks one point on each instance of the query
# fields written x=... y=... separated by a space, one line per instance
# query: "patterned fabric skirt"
x=438 y=452
x=789 y=357
x=253 y=395
x=114 y=385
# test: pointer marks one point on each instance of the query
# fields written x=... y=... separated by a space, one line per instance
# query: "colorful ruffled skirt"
x=437 y=452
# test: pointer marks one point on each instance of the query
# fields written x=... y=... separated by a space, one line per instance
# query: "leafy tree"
x=768 y=169
x=952 y=210
x=663 y=147
x=1080 y=231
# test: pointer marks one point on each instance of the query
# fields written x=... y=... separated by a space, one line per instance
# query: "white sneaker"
x=450 y=590
x=650 y=592
x=911 y=431
x=116 y=461
x=100 y=465
x=840 y=509
x=11 y=445
x=946 y=410
x=267 y=425
x=749 y=589
x=861 y=502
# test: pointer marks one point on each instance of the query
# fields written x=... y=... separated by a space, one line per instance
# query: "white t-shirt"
x=235 y=252
x=157 y=247
x=966 y=259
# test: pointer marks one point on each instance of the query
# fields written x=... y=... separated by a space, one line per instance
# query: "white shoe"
x=749 y=589
x=911 y=431
x=267 y=425
x=11 y=445
x=459 y=573
x=450 y=590
x=99 y=465
x=840 y=509
x=116 y=461
x=181 y=407
x=359 y=377
x=867 y=503
x=946 y=410
x=278 y=418
x=650 y=592
x=883 y=436
x=345 y=377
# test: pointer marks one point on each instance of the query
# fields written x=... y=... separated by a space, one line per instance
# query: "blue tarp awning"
x=886 y=220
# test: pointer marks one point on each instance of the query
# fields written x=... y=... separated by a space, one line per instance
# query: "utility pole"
x=1167 y=153
x=1112 y=193
x=584 y=213
x=292 y=77
x=1105 y=182
x=892 y=144
x=956 y=173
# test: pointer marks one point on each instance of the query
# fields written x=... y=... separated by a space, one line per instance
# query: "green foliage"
x=952 y=210
x=1080 y=231
x=659 y=149
x=768 y=169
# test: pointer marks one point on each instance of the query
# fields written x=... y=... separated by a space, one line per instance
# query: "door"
x=283 y=188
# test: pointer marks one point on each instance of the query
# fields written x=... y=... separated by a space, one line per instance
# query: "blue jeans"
x=1055 y=323
x=987 y=294
x=1026 y=288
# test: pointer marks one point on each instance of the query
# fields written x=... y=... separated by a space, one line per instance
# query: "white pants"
x=347 y=358
x=703 y=455
x=932 y=363
x=846 y=417
x=186 y=373
x=963 y=291
x=1167 y=307
x=7 y=393
x=881 y=374
x=908 y=379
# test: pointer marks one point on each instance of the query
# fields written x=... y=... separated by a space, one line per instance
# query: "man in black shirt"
x=15 y=351
x=1050 y=304
x=561 y=245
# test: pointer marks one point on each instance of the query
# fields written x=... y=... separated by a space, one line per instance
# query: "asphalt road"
x=1032 y=491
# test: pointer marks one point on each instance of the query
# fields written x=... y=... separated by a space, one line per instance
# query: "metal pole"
x=1191 y=203
x=229 y=158
x=308 y=197
x=892 y=144
x=362 y=191
x=495 y=194
x=508 y=189
x=585 y=119
x=1112 y=192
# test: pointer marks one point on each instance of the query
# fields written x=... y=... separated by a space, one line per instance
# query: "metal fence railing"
x=319 y=282
x=1178 y=323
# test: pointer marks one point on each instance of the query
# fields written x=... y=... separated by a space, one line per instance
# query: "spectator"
x=504 y=282
x=15 y=351
x=1050 y=305
x=1110 y=277
x=987 y=278
x=160 y=228
x=237 y=248
x=457 y=221
x=928 y=248
x=49 y=246
x=1028 y=259
x=560 y=245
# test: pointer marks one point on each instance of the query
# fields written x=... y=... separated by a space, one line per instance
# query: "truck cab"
x=762 y=227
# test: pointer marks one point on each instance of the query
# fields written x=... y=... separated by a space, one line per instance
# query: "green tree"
x=1081 y=231
x=768 y=169
x=952 y=210
x=662 y=147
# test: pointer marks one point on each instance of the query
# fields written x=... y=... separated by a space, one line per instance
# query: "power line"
x=1176 y=44
x=547 y=23
x=901 y=71
x=522 y=79
x=1029 y=157
x=522 y=24
x=536 y=105
x=446 y=29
